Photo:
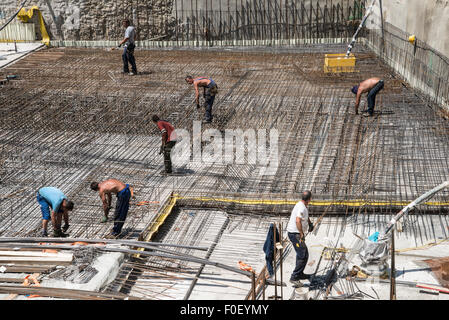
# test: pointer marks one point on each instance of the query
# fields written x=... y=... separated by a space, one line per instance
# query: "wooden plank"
x=28 y=262
x=64 y=256
x=12 y=296
x=28 y=269
x=63 y=293
x=38 y=259
x=13 y=280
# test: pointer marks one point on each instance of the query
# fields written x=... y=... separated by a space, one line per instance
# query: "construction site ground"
x=70 y=117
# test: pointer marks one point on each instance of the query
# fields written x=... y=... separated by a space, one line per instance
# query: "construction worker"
x=297 y=227
x=168 y=141
x=129 y=46
x=55 y=206
x=209 y=92
x=124 y=192
x=373 y=85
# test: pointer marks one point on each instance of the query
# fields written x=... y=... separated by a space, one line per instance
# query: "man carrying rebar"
x=297 y=227
x=168 y=141
x=124 y=192
x=54 y=206
x=210 y=89
x=371 y=85
x=129 y=46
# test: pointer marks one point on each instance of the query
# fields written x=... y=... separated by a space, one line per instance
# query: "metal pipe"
x=208 y=254
x=392 y=270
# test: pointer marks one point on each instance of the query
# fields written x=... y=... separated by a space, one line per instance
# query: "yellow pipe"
x=158 y=221
x=24 y=16
x=350 y=203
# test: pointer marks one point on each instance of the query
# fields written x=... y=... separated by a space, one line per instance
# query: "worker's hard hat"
x=412 y=39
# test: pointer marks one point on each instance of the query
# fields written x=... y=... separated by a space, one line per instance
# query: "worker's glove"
x=65 y=227
x=310 y=226
x=161 y=150
x=119 y=46
x=299 y=238
x=105 y=219
x=197 y=105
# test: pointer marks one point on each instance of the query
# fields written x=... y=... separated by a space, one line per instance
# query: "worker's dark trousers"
x=121 y=210
x=167 y=155
x=302 y=255
x=209 y=101
x=128 y=57
x=372 y=96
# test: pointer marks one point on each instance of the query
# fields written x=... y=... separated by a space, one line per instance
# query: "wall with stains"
x=428 y=20
x=96 y=19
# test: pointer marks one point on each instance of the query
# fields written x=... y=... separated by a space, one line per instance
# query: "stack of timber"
x=29 y=261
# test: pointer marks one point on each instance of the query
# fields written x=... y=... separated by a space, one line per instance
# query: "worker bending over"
x=209 y=92
x=124 y=192
x=168 y=141
x=297 y=227
x=373 y=86
x=55 y=206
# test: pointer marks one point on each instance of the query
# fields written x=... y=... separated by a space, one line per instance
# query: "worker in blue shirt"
x=55 y=206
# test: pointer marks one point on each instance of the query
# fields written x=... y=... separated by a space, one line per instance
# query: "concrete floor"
x=243 y=239
x=10 y=52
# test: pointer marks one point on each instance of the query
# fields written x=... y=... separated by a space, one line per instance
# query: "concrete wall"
x=100 y=20
x=426 y=69
x=428 y=20
x=95 y=19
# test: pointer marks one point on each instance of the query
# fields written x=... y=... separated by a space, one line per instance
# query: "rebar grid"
x=72 y=118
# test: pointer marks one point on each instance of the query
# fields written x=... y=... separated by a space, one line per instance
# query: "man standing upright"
x=373 y=85
x=209 y=92
x=55 y=206
x=124 y=192
x=297 y=227
x=168 y=141
x=129 y=46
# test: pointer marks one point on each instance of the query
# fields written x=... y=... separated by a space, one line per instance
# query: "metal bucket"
x=301 y=293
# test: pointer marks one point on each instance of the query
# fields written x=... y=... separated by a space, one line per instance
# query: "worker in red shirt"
x=168 y=141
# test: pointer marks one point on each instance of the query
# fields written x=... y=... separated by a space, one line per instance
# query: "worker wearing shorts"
x=52 y=199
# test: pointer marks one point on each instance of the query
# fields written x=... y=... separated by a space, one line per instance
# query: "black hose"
x=10 y=19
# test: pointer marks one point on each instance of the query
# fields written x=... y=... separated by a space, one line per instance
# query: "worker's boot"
x=112 y=236
x=57 y=233
x=296 y=283
x=44 y=233
x=304 y=276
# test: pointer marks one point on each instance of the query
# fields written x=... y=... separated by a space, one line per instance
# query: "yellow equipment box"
x=338 y=62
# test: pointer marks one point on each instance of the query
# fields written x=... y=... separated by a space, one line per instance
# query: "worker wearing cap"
x=54 y=206
x=168 y=141
x=129 y=46
x=209 y=92
x=372 y=86
x=124 y=192
x=297 y=227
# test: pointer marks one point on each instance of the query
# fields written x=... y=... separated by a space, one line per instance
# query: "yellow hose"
x=25 y=16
